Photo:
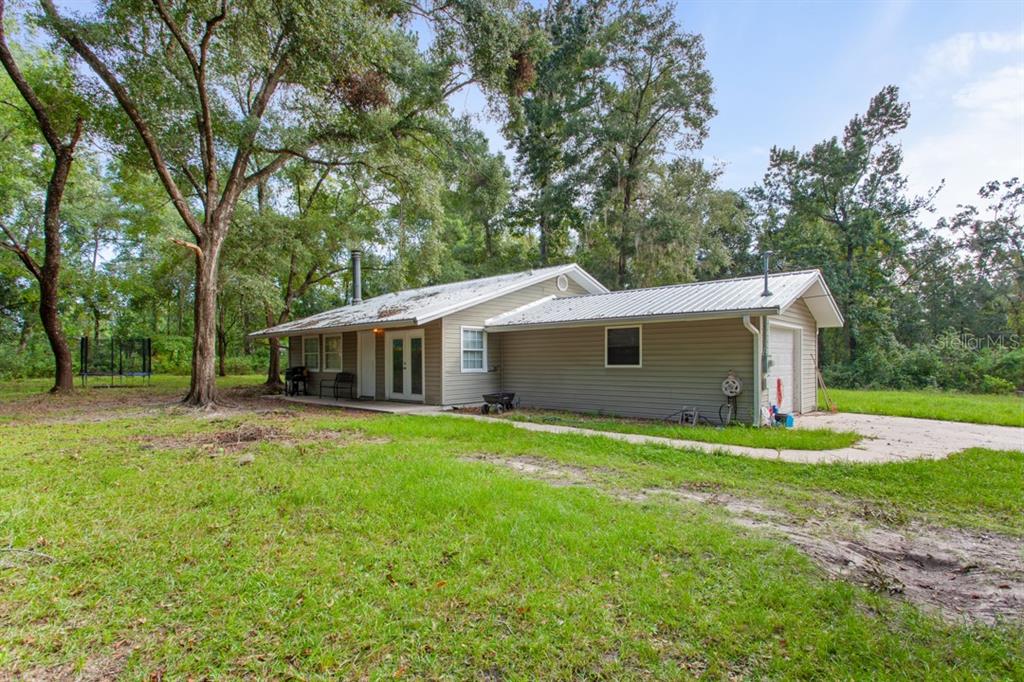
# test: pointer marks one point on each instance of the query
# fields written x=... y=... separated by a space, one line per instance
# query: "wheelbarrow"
x=498 y=402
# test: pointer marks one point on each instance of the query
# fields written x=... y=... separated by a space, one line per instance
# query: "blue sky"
x=793 y=73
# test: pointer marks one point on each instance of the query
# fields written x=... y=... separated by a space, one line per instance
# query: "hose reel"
x=732 y=386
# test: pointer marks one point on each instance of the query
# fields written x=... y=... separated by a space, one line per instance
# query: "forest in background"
x=194 y=171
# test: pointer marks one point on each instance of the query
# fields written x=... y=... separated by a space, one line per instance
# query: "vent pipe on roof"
x=767 y=256
x=357 y=276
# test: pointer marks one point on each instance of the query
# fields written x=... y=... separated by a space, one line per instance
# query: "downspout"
x=756 y=416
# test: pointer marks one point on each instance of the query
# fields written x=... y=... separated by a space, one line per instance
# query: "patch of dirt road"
x=961 y=574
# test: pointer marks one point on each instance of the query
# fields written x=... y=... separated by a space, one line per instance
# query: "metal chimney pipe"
x=357 y=276
x=767 y=256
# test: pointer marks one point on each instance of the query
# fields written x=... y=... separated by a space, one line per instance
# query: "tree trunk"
x=274 y=367
x=64 y=379
x=222 y=344
x=542 y=224
x=202 y=390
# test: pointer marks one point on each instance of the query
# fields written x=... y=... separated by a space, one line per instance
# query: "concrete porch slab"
x=384 y=406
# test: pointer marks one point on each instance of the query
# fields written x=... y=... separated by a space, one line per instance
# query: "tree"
x=222 y=95
x=843 y=207
x=62 y=131
x=656 y=100
x=688 y=229
x=553 y=137
x=996 y=245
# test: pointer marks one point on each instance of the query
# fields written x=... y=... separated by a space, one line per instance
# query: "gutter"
x=756 y=418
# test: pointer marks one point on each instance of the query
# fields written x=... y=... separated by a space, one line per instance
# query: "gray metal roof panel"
x=415 y=306
x=698 y=298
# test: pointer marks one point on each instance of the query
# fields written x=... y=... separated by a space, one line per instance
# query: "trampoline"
x=118 y=360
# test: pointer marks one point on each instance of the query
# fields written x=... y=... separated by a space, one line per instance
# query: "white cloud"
x=983 y=141
x=968 y=123
x=956 y=55
x=999 y=95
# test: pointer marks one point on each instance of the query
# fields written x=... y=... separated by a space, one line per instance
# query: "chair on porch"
x=296 y=381
x=342 y=381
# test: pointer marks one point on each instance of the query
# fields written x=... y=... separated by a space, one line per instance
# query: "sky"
x=791 y=74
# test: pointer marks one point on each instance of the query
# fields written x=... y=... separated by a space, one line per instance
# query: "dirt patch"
x=961 y=574
x=96 y=669
x=245 y=435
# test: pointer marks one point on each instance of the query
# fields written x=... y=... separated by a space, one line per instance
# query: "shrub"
x=991 y=384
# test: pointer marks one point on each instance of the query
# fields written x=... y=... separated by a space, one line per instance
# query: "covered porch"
x=400 y=364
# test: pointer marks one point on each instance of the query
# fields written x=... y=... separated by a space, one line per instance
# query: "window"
x=622 y=347
x=332 y=353
x=311 y=352
x=474 y=349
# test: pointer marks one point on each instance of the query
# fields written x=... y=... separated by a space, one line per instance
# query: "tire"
x=486 y=409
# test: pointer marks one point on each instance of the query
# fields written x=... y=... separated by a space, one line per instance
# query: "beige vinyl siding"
x=349 y=363
x=433 y=341
x=381 y=352
x=294 y=351
x=684 y=364
x=461 y=388
x=799 y=314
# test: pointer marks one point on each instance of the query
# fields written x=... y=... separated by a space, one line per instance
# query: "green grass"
x=774 y=438
x=1005 y=410
x=375 y=550
x=160 y=384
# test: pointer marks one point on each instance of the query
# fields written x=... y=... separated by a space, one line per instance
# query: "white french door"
x=403 y=364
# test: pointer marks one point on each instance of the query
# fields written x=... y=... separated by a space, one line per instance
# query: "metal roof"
x=419 y=306
x=730 y=297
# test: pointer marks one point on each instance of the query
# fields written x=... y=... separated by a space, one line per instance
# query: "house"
x=559 y=339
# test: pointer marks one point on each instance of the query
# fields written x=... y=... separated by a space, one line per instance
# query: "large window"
x=622 y=347
x=474 y=349
x=332 y=353
x=311 y=353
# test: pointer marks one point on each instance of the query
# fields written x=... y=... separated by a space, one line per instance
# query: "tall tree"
x=222 y=95
x=62 y=130
x=554 y=135
x=844 y=206
x=656 y=101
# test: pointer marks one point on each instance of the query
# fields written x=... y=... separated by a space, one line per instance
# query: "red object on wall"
x=778 y=391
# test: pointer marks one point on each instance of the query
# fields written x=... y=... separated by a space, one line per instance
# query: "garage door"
x=782 y=367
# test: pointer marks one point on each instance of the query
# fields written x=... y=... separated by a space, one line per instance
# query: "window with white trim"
x=332 y=353
x=474 y=349
x=622 y=346
x=311 y=352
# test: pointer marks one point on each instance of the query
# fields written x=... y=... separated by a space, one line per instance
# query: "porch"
x=383 y=406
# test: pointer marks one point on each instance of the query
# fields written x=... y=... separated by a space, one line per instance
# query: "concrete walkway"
x=887 y=439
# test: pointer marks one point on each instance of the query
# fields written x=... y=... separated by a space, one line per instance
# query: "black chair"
x=341 y=382
x=296 y=381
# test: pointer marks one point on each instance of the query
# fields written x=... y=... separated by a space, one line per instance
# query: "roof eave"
x=639 y=319
x=360 y=326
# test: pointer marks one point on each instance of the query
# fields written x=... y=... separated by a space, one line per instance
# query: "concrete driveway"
x=886 y=439
x=897 y=438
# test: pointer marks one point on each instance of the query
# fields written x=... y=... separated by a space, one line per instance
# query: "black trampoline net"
x=115 y=357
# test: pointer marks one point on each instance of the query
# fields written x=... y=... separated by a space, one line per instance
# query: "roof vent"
x=767 y=257
x=562 y=283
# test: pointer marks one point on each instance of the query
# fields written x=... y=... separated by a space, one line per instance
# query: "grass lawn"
x=364 y=546
x=1005 y=410
x=775 y=438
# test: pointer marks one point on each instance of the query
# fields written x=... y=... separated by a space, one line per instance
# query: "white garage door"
x=782 y=367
